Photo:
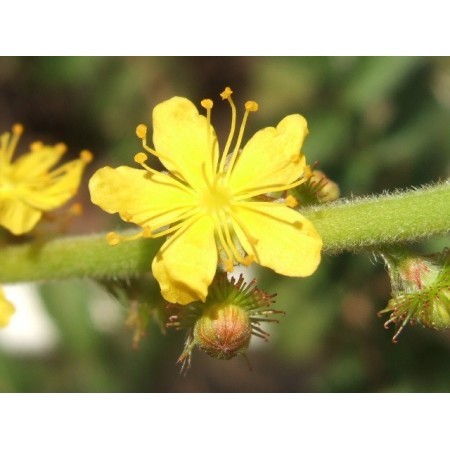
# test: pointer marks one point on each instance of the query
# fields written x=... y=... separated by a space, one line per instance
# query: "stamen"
x=141 y=133
x=114 y=238
x=86 y=156
x=250 y=106
x=291 y=201
x=208 y=104
x=226 y=95
x=17 y=130
x=252 y=241
x=247 y=260
x=36 y=146
x=229 y=261
x=250 y=193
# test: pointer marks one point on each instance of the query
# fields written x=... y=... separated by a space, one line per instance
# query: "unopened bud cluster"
x=420 y=290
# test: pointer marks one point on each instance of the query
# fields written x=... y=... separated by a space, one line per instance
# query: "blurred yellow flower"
x=214 y=207
x=7 y=309
x=29 y=186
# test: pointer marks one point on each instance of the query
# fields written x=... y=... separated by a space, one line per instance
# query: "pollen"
x=207 y=103
x=251 y=106
x=86 y=156
x=17 y=129
x=226 y=94
x=141 y=131
x=140 y=157
x=291 y=201
x=113 y=238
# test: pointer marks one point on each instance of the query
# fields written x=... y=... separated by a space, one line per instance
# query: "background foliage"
x=376 y=123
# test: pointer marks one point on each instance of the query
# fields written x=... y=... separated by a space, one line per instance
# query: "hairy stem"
x=348 y=225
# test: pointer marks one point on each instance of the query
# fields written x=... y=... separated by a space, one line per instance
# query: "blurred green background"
x=376 y=123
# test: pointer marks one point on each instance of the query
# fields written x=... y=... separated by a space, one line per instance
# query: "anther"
x=147 y=232
x=226 y=94
x=251 y=106
x=86 y=156
x=229 y=267
x=295 y=158
x=291 y=201
x=207 y=103
x=141 y=131
x=112 y=238
x=17 y=129
x=127 y=216
x=36 y=146
x=140 y=157
x=307 y=172
x=76 y=209
x=248 y=260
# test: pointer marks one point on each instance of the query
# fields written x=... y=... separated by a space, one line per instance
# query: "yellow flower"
x=7 y=309
x=213 y=207
x=29 y=186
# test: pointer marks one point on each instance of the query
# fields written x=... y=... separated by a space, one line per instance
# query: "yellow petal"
x=186 y=263
x=37 y=162
x=56 y=188
x=141 y=197
x=278 y=237
x=17 y=216
x=271 y=158
x=7 y=309
x=187 y=144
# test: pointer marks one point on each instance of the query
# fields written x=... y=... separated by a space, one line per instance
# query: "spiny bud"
x=223 y=331
x=318 y=188
x=420 y=290
x=223 y=325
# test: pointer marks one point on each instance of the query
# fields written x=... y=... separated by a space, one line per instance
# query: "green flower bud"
x=318 y=188
x=420 y=290
x=223 y=325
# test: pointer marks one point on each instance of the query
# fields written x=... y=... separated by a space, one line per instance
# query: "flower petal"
x=271 y=158
x=141 y=197
x=7 y=309
x=17 y=216
x=187 y=144
x=38 y=162
x=278 y=237
x=55 y=189
x=186 y=263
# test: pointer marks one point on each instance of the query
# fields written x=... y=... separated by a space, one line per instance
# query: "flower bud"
x=317 y=189
x=420 y=290
x=223 y=325
x=223 y=331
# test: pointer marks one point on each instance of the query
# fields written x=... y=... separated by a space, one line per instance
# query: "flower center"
x=215 y=199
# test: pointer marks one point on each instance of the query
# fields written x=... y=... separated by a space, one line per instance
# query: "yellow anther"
x=307 y=172
x=36 y=146
x=147 y=232
x=126 y=216
x=112 y=238
x=248 y=260
x=291 y=201
x=207 y=103
x=229 y=267
x=17 y=129
x=251 y=106
x=140 y=157
x=141 y=131
x=295 y=158
x=76 y=209
x=86 y=156
x=60 y=147
x=226 y=94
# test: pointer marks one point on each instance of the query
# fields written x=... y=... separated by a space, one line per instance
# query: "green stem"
x=349 y=225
